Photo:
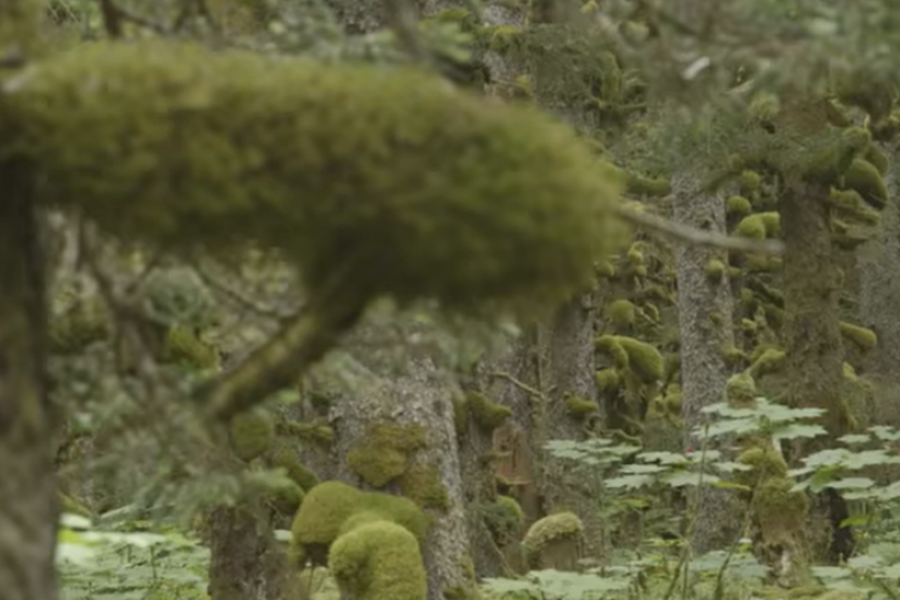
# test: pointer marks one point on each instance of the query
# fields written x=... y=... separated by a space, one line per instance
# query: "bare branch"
x=690 y=235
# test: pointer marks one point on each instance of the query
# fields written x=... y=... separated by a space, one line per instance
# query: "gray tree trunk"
x=28 y=488
x=390 y=383
x=703 y=369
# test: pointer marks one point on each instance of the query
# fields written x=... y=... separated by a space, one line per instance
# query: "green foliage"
x=122 y=565
x=437 y=192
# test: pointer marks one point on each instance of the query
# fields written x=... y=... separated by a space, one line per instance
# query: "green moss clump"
x=504 y=519
x=384 y=452
x=185 y=348
x=741 y=388
x=760 y=226
x=503 y=37
x=850 y=373
x=423 y=485
x=621 y=312
x=646 y=186
x=715 y=270
x=378 y=560
x=251 y=434
x=579 y=407
x=488 y=414
x=770 y=361
x=330 y=505
x=641 y=358
x=749 y=326
x=862 y=337
x=865 y=179
x=877 y=158
x=69 y=504
x=766 y=463
x=441 y=193
x=850 y=202
x=738 y=205
x=606 y=268
x=310 y=432
x=282 y=456
x=549 y=529
x=750 y=181
x=607 y=379
x=781 y=512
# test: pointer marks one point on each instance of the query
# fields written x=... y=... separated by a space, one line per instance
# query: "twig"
x=697 y=237
x=517 y=383
x=242 y=300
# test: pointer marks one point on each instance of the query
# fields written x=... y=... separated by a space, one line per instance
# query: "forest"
x=449 y=300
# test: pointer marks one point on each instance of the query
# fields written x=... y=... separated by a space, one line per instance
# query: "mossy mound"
x=621 y=312
x=715 y=270
x=311 y=432
x=330 y=505
x=766 y=463
x=760 y=226
x=741 y=388
x=251 y=434
x=738 y=206
x=384 y=452
x=607 y=379
x=488 y=414
x=549 y=529
x=423 y=485
x=390 y=176
x=771 y=360
x=504 y=518
x=378 y=560
x=645 y=361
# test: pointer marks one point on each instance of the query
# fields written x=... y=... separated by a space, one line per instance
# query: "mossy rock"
x=330 y=505
x=441 y=193
x=864 y=178
x=251 y=434
x=423 y=485
x=645 y=361
x=549 y=529
x=378 y=560
x=384 y=453
x=489 y=415
x=862 y=337
x=581 y=408
x=621 y=312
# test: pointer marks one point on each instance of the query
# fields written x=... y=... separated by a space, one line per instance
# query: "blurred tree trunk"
x=28 y=510
x=705 y=325
x=246 y=562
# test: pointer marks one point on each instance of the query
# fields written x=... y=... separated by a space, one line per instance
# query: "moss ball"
x=549 y=529
x=251 y=434
x=488 y=414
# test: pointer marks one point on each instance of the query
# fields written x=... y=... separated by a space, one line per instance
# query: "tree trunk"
x=812 y=333
x=28 y=510
x=705 y=324
x=406 y=387
x=879 y=304
x=246 y=561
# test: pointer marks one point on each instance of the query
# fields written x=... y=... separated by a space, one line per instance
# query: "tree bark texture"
x=705 y=324
x=878 y=265
x=28 y=509
x=812 y=333
x=246 y=561
x=395 y=383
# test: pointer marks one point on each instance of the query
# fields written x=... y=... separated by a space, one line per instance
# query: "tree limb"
x=690 y=235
